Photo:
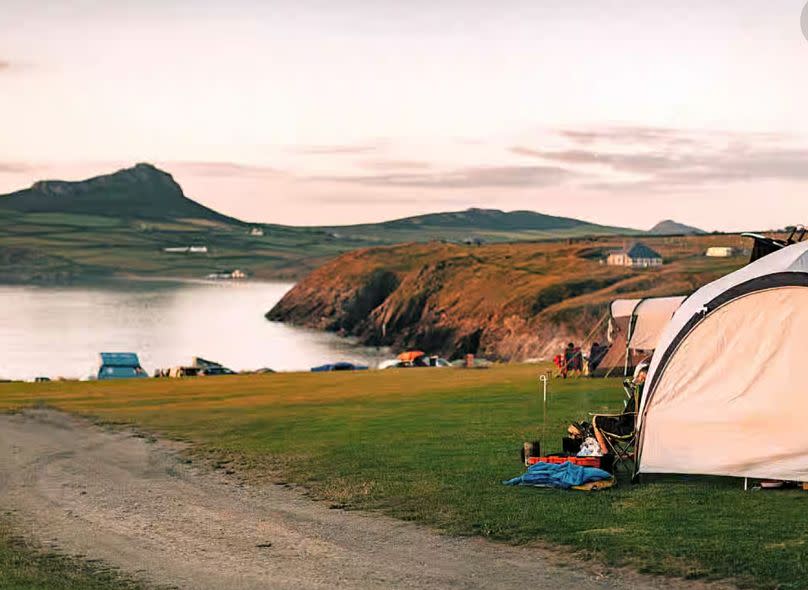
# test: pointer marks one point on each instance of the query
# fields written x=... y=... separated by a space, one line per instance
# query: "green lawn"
x=434 y=446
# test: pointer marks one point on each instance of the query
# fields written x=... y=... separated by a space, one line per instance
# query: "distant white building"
x=721 y=252
x=236 y=274
x=186 y=250
x=257 y=232
x=638 y=256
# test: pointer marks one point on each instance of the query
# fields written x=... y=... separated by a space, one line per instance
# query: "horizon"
x=379 y=221
x=323 y=115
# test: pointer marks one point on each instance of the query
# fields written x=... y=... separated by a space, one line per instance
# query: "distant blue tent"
x=341 y=366
x=120 y=365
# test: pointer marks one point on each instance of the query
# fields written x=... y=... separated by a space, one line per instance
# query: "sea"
x=49 y=331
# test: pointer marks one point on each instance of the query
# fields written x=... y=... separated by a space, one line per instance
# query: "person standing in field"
x=569 y=360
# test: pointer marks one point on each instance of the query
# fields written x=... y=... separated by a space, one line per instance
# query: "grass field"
x=434 y=446
x=50 y=247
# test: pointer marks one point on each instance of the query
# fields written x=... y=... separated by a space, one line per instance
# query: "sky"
x=312 y=112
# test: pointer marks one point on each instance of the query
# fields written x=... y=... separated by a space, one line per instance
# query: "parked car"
x=213 y=371
x=340 y=366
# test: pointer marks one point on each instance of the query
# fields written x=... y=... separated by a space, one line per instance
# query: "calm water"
x=59 y=331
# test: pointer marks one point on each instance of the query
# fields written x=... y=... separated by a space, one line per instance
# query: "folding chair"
x=620 y=446
x=619 y=431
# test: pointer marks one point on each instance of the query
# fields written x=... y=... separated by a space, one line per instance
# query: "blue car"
x=342 y=366
x=120 y=365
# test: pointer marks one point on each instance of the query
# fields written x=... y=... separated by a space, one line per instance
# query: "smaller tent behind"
x=635 y=326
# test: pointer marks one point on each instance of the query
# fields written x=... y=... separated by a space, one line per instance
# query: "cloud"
x=655 y=158
x=625 y=162
x=394 y=165
x=474 y=177
x=626 y=135
x=17 y=167
x=223 y=169
x=334 y=150
x=4 y=65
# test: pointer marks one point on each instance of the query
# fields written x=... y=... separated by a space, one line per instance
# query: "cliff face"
x=508 y=301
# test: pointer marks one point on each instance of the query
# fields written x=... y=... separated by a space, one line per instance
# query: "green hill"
x=122 y=223
x=490 y=225
x=503 y=301
x=142 y=192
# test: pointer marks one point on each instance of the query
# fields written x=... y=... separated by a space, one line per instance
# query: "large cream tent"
x=725 y=393
x=635 y=326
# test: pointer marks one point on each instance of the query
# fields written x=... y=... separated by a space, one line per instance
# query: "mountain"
x=668 y=227
x=488 y=224
x=138 y=221
x=491 y=219
x=142 y=192
x=514 y=301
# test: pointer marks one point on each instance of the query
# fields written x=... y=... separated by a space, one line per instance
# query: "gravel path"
x=136 y=505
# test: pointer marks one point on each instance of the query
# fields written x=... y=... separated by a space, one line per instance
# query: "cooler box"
x=582 y=461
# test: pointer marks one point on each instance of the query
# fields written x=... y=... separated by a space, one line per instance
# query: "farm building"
x=721 y=252
x=637 y=256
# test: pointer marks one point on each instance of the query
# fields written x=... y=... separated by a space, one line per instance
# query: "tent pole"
x=543 y=379
x=632 y=324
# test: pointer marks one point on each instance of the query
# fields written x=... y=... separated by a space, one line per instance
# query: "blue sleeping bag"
x=564 y=476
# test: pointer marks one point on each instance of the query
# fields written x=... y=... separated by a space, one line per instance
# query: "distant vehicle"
x=178 y=372
x=228 y=275
x=391 y=364
x=341 y=366
x=414 y=359
x=199 y=367
x=120 y=365
x=212 y=371
x=41 y=379
x=439 y=362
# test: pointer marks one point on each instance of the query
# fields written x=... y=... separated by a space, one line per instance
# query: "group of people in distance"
x=572 y=359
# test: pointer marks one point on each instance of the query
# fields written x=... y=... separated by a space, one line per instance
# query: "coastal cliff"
x=503 y=301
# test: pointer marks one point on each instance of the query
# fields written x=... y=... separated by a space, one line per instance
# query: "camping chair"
x=619 y=430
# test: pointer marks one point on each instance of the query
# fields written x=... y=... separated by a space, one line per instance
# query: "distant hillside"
x=487 y=224
x=142 y=192
x=504 y=301
x=122 y=223
x=668 y=227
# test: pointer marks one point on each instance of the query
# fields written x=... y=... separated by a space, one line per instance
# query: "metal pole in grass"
x=543 y=379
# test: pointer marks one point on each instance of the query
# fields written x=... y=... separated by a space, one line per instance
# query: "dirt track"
x=135 y=504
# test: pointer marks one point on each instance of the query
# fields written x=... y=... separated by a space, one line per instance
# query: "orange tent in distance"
x=410 y=355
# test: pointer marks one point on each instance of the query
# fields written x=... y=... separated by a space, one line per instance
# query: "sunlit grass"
x=434 y=445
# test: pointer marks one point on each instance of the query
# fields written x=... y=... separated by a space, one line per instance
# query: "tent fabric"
x=615 y=357
x=652 y=317
x=410 y=355
x=791 y=259
x=723 y=395
x=623 y=308
x=649 y=317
